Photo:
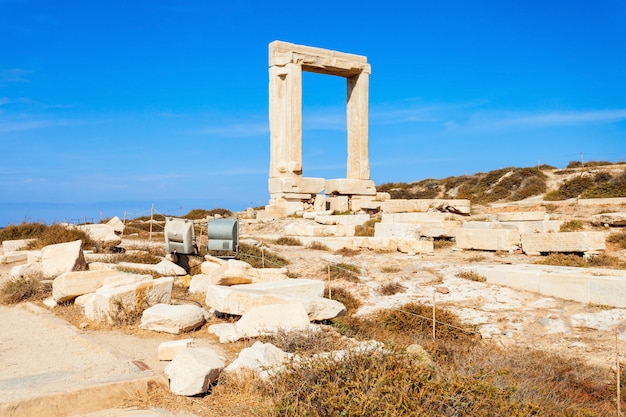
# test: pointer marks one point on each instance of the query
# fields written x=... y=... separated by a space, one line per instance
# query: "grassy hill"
x=592 y=180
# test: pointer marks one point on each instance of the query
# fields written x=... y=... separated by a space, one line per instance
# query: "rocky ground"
x=506 y=316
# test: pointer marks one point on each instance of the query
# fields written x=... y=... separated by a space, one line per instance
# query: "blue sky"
x=109 y=107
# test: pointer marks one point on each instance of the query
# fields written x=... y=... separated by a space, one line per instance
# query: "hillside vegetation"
x=595 y=179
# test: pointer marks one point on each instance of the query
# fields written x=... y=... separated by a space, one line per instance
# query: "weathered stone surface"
x=164 y=267
x=304 y=185
x=415 y=246
x=116 y=224
x=535 y=243
x=350 y=219
x=589 y=286
x=488 y=239
x=319 y=204
x=263 y=320
x=193 y=370
x=199 y=283
x=423 y=205
x=62 y=257
x=488 y=225
x=314 y=229
x=70 y=285
x=445 y=228
x=31 y=269
x=103 y=234
x=601 y=201
x=239 y=300
x=12 y=258
x=339 y=203
x=110 y=304
x=15 y=245
x=292 y=287
x=397 y=230
x=235 y=272
x=610 y=219
x=522 y=216
x=261 y=358
x=173 y=319
x=416 y=217
x=167 y=351
x=345 y=186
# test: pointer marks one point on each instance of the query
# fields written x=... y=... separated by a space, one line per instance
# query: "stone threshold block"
x=488 y=239
x=424 y=205
x=348 y=219
x=299 y=229
x=344 y=186
x=536 y=243
x=588 y=285
x=522 y=216
x=298 y=185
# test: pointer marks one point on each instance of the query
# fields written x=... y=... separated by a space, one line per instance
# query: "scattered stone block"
x=116 y=224
x=29 y=270
x=262 y=320
x=169 y=268
x=167 y=351
x=488 y=239
x=349 y=219
x=12 y=258
x=193 y=370
x=536 y=243
x=173 y=319
x=199 y=284
x=424 y=205
x=102 y=234
x=604 y=219
x=292 y=287
x=319 y=230
x=414 y=246
x=111 y=304
x=70 y=285
x=62 y=257
x=339 y=203
x=16 y=245
x=320 y=203
x=239 y=300
x=522 y=216
x=397 y=230
x=261 y=358
x=344 y=186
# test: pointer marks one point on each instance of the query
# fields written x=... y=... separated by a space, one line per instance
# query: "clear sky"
x=111 y=106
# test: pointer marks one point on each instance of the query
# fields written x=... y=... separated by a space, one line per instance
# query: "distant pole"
x=151 y=219
x=124 y=223
x=434 y=294
x=582 y=162
x=100 y=216
x=619 y=396
x=85 y=221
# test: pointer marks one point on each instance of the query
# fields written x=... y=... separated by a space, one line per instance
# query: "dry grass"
x=344 y=271
x=441 y=243
x=472 y=276
x=618 y=238
x=344 y=297
x=347 y=252
x=260 y=258
x=307 y=342
x=16 y=290
x=391 y=288
x=315 y=245
x=288 y=241
x=367 y=228
x=571 y=226
x=45 y=235
x=390 y=269
x=575 y=260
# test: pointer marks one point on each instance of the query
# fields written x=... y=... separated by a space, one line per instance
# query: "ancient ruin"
x=290 y=191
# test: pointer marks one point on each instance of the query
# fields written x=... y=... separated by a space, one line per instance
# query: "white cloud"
x=14 y=75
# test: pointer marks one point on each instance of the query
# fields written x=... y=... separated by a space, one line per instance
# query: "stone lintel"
x=297 y=185
x=344 y=186
x=317 y=60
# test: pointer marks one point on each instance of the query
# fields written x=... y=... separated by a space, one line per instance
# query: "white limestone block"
x=339 y=203
x=199 y=283
x=306 y=185
x=534 y=243
x=173 y=319
x=415 y=246
x=31 y=269
x=314 y=229
x=610 y=219
x=167 y=351
x=193 y=370
x=111 y=303
x=522 y=216
x=12 y=258
x=70 y=285
x=397 y=230
x=103 y=234
x=347 y=219
x=262 y=320
x=488 y=239
x=62 y=257
x=169 y=268
x=16 y=245
x=345 y=186
x=261 y=358
x=301 y=287
x=116 y=224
